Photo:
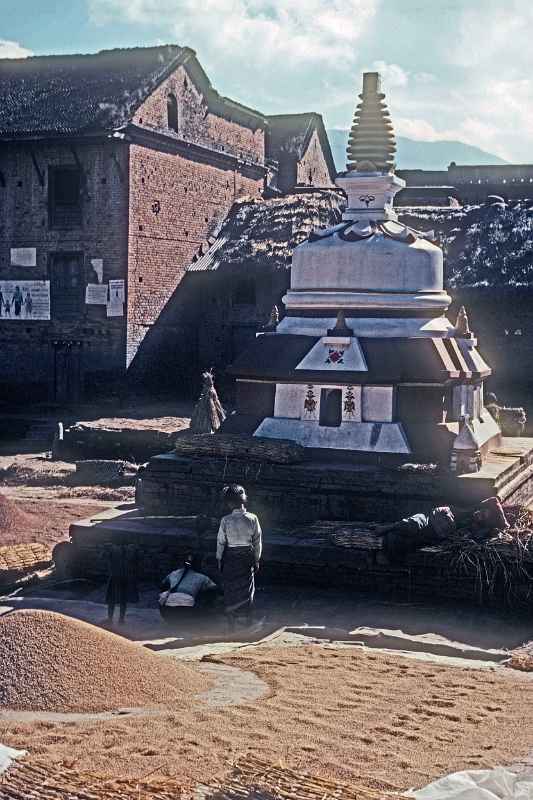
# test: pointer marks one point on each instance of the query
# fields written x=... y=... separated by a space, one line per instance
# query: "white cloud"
x=494 y=33
x=392 y=75
x=254 y=32
x=10 y=49
x=418 y=129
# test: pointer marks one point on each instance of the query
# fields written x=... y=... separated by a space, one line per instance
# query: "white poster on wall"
x=23 y=256
x=117 y=291
x=96 y=294
x=115 y=309
x=98 y=266
x=24 y=300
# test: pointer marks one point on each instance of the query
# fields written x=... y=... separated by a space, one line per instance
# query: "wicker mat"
x=38 y=781
x=253 y=779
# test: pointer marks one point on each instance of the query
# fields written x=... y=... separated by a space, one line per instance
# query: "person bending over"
x=239 y=547
x=186 y=591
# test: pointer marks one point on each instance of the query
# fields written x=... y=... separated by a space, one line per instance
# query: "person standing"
x=28 y=304
x=17 y=301
x=239 y=549
x=122 y=563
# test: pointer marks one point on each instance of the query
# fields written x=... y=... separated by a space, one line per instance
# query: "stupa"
x=365 y=363
x=381 y=393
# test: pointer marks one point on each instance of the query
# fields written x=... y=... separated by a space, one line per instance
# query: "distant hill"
x=419 y=155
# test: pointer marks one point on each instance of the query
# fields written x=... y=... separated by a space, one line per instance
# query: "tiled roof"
x=209 y=261
x=265 y=231
x=277 y=356
x=80 y=93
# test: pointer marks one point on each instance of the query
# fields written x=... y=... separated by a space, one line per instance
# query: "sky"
x=452 y=69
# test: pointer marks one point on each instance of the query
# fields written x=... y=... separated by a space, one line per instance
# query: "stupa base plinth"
x=326 y=490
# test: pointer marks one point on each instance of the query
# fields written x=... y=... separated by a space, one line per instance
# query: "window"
x=172 y=112
x=377 y=403
x=67 y=283
x=64 y=197
x=330 y=408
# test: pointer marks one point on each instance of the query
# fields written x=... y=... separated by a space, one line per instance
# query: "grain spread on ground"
x=24 y=520
x=12 y=520
x=49 y=662
x=377 y=720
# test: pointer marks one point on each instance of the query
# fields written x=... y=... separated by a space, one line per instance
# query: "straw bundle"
x=253 y=779
x=277 y=451
x=20 y=558
x=504 y=561
x=40 y=781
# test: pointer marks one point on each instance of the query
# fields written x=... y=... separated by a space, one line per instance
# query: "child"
x=122 y=582
x=239 y=547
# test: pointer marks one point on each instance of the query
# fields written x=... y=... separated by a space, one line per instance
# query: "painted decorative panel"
x=351 y=404
x=288 y=401
x=377 y=403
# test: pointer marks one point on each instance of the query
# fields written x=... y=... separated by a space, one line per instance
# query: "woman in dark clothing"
x=122 y=562
x=239 y=547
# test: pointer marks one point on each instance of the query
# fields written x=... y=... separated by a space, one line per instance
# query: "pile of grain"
x=12 y=521
x=49 y=662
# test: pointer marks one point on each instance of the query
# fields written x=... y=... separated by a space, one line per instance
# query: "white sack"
x=481 y=784
x=8 y=755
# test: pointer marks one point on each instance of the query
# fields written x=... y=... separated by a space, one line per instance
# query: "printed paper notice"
x=115 y=309
x=96 y=294
x=98 y=268
x=116 y=291
x=23 y=256
x=24 y=300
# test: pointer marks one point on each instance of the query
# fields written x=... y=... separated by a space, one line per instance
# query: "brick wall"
x=28 y=357
x=312 y=169
x=196 y=121
x=177 y=202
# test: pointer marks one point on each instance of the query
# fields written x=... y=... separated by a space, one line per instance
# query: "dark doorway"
x=67 y=283
x=330 y=408
x=67 y=372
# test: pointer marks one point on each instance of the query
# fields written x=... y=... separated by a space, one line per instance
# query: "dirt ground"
x=382 y=720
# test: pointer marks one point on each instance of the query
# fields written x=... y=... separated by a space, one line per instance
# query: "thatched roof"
x=266 y=231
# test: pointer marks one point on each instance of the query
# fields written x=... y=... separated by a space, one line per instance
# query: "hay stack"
x=49 y=662
x=208 y=414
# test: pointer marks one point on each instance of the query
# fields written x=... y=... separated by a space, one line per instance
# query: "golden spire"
x=371 y=144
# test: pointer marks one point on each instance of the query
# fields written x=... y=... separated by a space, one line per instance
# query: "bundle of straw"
x=254 y=779
x=39 y=781
x=254 y=448
x=504 y=561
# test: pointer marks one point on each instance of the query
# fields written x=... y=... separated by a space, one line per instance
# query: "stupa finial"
x=371 y=144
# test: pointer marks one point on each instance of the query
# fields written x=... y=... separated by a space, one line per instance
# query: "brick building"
x=229 y=290
x=466 y=183
x=300 y=146
x=115 y=168
x=116 y=171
